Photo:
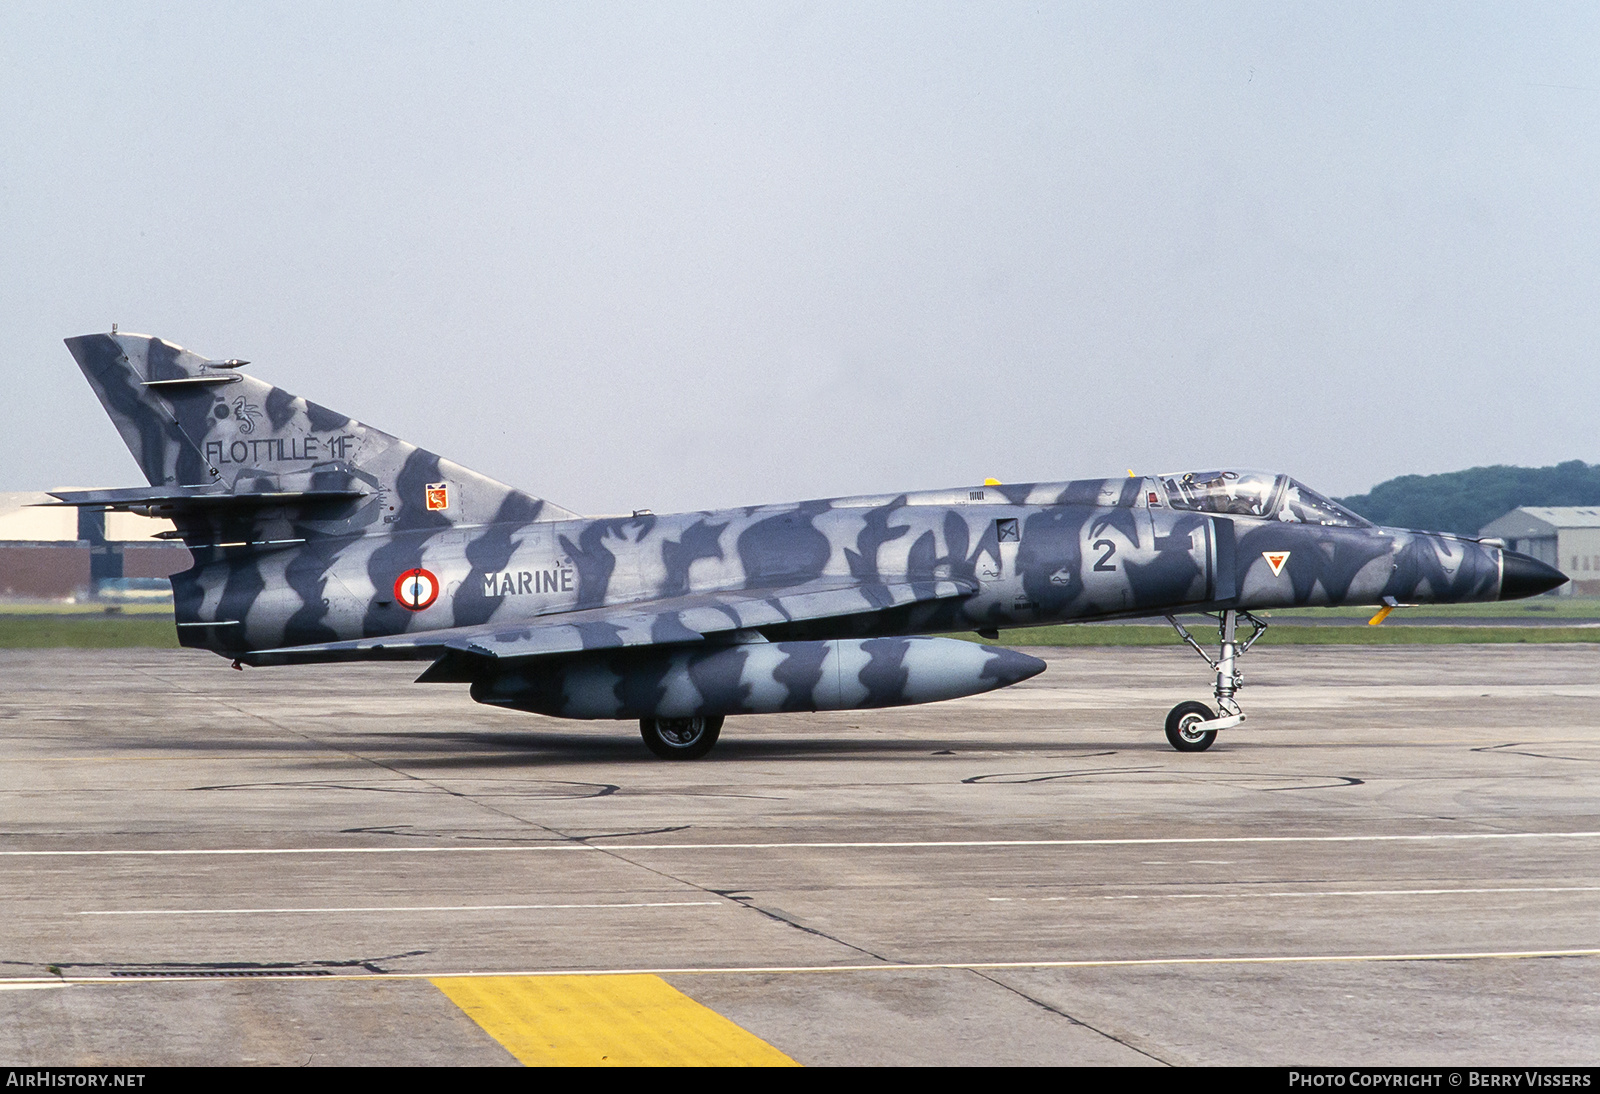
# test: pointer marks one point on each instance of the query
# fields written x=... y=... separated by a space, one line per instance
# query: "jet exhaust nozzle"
x=758 y=678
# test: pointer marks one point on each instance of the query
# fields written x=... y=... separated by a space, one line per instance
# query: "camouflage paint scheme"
x=304 y=523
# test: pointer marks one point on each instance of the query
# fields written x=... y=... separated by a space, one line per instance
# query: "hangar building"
x=57 y=553
x=1565 y=536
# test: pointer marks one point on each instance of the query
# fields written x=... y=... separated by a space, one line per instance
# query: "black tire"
x=681 y=738
x=1180 y=732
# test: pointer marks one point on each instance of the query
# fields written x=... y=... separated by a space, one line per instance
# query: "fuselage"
x=1031 y=554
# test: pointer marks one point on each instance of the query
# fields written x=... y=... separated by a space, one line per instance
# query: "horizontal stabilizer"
x=678 y=620
x=190 y=498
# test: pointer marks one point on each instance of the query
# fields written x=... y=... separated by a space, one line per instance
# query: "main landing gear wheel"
x=1183 y=731
x=680 y=738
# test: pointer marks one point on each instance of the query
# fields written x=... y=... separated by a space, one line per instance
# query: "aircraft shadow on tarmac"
x=445 y=749
x=459 y=751
x=442 y=750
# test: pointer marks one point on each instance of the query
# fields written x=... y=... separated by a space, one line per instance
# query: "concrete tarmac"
x=1395 y=860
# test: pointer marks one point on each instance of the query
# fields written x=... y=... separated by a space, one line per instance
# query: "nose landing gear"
x=1191 y=726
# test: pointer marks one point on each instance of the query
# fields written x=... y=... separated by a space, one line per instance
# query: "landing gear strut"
x=1191 y=726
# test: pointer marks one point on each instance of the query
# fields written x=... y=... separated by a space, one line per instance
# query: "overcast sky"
x=688 y=256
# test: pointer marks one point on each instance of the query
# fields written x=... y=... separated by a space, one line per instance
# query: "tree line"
x=1464 y=501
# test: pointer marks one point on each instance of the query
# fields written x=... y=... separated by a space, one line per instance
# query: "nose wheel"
x=1186 y=730
x=1192 y=726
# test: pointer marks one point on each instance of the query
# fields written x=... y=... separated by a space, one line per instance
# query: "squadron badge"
x=437 y=495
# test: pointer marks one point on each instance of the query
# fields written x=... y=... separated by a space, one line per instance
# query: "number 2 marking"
x=1104 y=563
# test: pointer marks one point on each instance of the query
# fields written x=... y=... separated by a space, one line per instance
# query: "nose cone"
x=1522 y=576
x=1008 y=667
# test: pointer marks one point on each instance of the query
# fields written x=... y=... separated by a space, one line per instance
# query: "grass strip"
x=1131 y=634
x=1538 y=609
x=88 y=608
x=91 y=632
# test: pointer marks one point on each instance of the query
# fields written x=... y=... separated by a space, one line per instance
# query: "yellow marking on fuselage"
x=604 y=1021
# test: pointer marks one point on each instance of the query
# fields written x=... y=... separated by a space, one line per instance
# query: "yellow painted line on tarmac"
x=604 y=1021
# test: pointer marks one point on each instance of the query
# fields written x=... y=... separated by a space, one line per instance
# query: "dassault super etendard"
x=317 y=538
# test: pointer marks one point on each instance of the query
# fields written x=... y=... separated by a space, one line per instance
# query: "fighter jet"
x=316 y=538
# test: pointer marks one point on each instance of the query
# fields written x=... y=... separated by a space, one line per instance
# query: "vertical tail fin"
x=191 y=422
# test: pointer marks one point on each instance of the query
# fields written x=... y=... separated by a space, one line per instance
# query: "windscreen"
x=1304 y=505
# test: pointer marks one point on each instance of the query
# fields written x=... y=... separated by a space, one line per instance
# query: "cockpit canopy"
x=1260 y=494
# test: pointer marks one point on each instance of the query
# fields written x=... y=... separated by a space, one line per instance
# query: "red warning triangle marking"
x=1276 y=559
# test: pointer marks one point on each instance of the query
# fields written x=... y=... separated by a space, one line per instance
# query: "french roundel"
x=416 y=589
